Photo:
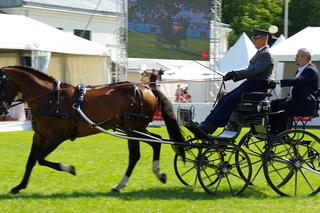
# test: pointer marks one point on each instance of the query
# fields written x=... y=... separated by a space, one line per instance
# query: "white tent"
x=23 y=33
x=194 y=71
x=238 y=56
x=306 y=38
x=278 y=68
x=73 y=59
x=197 y=77
x=279 y=40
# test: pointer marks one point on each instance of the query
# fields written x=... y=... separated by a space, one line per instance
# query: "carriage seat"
x=251 y=110
x=304 y=119
x=254 y=102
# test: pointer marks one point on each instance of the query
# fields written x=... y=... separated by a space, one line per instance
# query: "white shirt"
x=300 y=69
x=262 y=48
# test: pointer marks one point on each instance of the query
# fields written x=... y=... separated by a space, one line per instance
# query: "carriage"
x=290 y=160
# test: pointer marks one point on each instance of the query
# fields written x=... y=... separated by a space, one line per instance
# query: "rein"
x=21 y=101
x=45 y=94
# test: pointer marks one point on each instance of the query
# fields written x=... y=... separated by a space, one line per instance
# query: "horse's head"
x=8 y=91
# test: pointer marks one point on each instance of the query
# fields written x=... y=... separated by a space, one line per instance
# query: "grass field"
x=101 y=161
x=142 y=45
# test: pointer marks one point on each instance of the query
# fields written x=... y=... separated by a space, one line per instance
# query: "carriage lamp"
x=264 y=106
x=273 y=29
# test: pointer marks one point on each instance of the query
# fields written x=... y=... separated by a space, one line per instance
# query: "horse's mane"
x=45 y=77
x=37 y=73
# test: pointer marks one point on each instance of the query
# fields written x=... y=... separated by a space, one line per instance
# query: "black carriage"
x=290 y=160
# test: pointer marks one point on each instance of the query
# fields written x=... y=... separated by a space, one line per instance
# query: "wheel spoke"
x=229 y=184
x=286 y=179
x=254 y=177
x=305 y=178
x=277 y=169
x=186 y=172
x=235 y=175
x=218 y=184
x=295 y=183
x=255 y=144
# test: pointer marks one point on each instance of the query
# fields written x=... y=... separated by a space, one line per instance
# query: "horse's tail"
x=173 y=128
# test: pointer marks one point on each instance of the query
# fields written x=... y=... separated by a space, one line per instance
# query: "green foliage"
x=243 y=15
x=303 y=13
x=101 y=161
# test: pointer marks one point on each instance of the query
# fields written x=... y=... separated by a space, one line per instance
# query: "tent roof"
x=238 y=56
x=279 y=40
x=306 y=38
x=23 y=33
x=89 y=6
x=194 y=71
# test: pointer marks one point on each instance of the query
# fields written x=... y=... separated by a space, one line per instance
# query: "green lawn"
x=101 y=161
x=142 y=45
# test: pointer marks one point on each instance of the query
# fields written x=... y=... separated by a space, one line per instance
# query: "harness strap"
x=137 y=93
x=81 y=91
x=52 y=114
x=58 y=95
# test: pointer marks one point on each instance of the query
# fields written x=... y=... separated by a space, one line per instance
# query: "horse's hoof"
x=163 y=178
x=115 y=190
x=72 y=170
x=14 y=191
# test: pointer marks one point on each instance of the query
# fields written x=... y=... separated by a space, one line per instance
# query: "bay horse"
x=123 y=105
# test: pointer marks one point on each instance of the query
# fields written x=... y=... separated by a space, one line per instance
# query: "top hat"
x=258 y=32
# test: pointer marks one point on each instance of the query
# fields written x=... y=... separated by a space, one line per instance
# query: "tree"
x=243 y=15
x=303 y=13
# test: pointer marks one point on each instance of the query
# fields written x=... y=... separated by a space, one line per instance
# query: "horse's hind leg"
x=134 y=156
x=30 y=164
x=156 y=156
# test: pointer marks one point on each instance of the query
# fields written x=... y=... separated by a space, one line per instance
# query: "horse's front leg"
x=49 y=146
x=32 y=159
x=134 y=156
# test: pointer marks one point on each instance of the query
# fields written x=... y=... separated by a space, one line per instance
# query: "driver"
x=256 y=75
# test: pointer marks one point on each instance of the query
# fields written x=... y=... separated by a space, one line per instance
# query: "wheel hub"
x=224 y=170
x=297 y=164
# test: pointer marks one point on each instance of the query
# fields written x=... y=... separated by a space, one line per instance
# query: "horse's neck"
x=30 y=85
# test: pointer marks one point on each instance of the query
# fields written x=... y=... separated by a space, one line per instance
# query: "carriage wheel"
x=255 y=148
x=292 y=163
x=218 y=169
x=187 y=172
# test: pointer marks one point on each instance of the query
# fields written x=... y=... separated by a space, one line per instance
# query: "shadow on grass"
x=180 y=193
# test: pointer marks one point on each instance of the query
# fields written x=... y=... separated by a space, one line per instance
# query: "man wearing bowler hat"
x=256 y=74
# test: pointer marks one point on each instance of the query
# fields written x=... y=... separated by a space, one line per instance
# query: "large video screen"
x=177 y=29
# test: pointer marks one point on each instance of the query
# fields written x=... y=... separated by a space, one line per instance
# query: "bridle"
x=4 y=104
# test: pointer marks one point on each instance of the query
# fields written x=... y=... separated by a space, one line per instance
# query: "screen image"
x=178 y=29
